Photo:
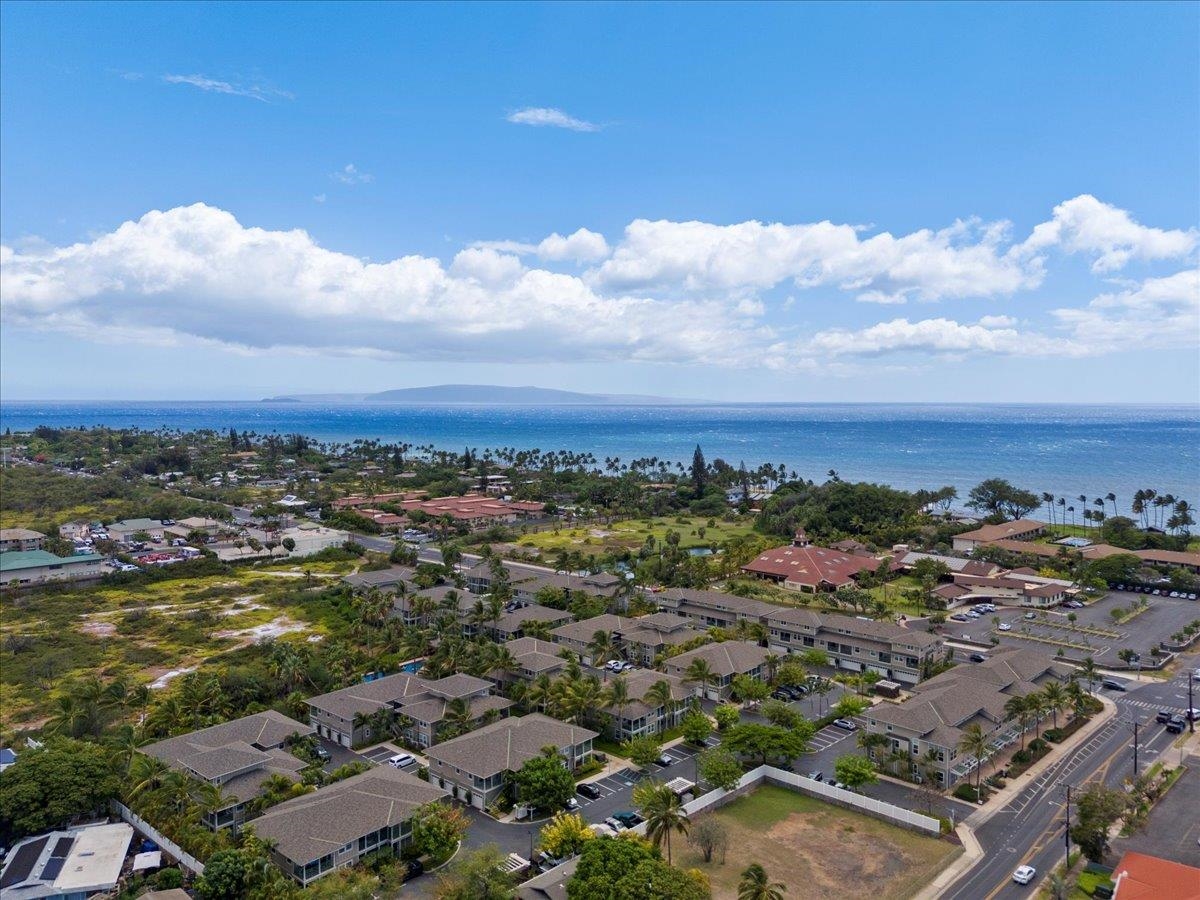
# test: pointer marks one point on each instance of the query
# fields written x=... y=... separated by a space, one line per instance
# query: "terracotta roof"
x=1014 y=529
x=1174 y=557
x=1143 y=877
x=809 y=566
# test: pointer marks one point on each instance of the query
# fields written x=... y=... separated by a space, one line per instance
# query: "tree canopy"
x=49 y=787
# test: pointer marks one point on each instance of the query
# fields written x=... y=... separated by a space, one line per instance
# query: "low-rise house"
x=1171 y=558
x=127 y=528
x=511 y=625
x=16 y=539
x=579 y=636
x=388 y=579
x=78 y=530
x=930 y=724
x=955 y=564
x=644 y=713
x=238 y=757
x=1022 y=590
x=647 y=638
x=713 y=609
x=476 y=767
x=856 y=645
x=726 y=660
x=424 y=709
x=338 y=825
x=1017 y=530
x=1139 y=876
x=22 y=568
x=802 y=566
x=534 y=657
x=66 y=865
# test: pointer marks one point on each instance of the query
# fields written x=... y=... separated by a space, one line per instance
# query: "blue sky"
x=808 y=202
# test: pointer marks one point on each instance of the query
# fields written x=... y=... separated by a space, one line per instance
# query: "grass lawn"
x=818 y=850
x=631 y=534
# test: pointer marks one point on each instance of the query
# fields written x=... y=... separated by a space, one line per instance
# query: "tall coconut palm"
x=1055 y=698
x=701 y=673
x=975 y=744
x=755 y=885
x=617 y=695
x=663 y=811
x=659 y=696
x=602 y=648
x=1089 y=672
x=1017 y=709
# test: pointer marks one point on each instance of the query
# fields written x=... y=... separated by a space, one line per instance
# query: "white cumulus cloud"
x=1086 y=225
x=349 y=174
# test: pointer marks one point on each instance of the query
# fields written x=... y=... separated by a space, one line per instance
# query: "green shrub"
x=966 y=792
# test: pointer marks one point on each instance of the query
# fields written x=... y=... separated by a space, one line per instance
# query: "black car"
x=977 y=657
x=588 y=790
x=1164 y=716
x=1111 y=685
x=413 y=868
x=322 y=754
x=1176 y=725
x=781 y=695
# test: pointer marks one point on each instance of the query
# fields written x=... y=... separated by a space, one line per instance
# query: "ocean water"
x=1064 y=449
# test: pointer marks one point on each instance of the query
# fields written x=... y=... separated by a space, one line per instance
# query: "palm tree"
x=457 y=716
x=601 y=648
x=1054 y=695
x=540 y=690
x=659 y=696
x=1112 y=498
x=771 y=666
x=755 y=885
x=1089 y=672
x=1017 y=708
x=700 y=672
x=871 y=741
x=617 y=696
x=975 y=744
x=663 y=811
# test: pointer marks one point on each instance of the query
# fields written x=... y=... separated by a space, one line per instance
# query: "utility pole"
x=1191 y=715
x=1135 y=748
x=1067 y=835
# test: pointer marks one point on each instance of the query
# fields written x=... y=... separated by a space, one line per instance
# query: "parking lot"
x=1053 y=630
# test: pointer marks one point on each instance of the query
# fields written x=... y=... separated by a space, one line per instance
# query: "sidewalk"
x=1015 y=785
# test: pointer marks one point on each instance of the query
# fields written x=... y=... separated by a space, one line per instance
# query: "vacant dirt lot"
x=818 y=850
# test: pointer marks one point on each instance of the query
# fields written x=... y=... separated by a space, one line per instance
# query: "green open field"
x=630 y=534
x=818 y=850
x=144 y=631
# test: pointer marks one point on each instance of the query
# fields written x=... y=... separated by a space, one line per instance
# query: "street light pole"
x=1191 y=714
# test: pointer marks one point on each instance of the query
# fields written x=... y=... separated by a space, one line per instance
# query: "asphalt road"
x=1030 y=830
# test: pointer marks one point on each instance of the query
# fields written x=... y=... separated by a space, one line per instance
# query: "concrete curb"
x=972 y=854
x=1015 y=785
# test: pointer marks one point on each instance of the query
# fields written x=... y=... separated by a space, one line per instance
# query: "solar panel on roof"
x=22 y=863
x=62 y=846
x=53 y=868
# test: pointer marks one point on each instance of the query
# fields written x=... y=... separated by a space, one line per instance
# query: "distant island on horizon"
x=526 y=395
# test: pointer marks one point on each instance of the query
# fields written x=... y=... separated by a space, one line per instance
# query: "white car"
x=1005 y=626
x=1024 y=874
x=400 y=760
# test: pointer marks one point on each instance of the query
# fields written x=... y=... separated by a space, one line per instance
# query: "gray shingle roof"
x=309 y=827
x=724 y=658
x=506 y=745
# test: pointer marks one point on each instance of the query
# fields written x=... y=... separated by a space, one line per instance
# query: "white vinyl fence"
x=792 y=781
x=172 y=849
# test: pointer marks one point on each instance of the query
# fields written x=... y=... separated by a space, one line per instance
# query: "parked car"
x=1164 y=716
x=401 y=760
x=1191 y=596
x=322 y=754
x=627 y=818
x=1005 y=626
x=816 y=776
x=1176 y=725
x=615 y=824
x=588 y=790
x=1112 y=685
x=844 y=787
x=412 y=869
x=960 y=617
x=1031 y=615
x=1024 y=874
x=1174 y=594
x=977 y=657
x=572 y=804
x=1192 y=715
x=781 y=695
x=845 y=725
x=664 y=760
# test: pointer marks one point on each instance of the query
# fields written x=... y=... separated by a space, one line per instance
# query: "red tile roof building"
x=801 y=566
x=1141 y=877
